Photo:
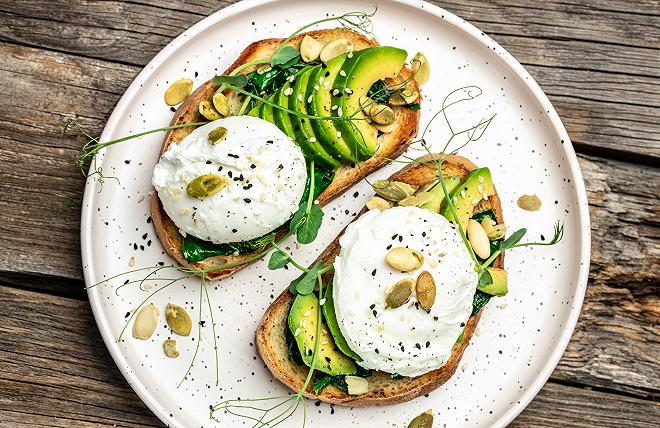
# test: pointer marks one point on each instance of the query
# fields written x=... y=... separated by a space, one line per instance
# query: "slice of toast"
x=271 y=342
x=390 y=145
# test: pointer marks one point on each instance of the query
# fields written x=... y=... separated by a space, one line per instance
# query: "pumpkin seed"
x=529 y=202
x=217 y=135
x=220 y=103
x=404 y=259
x=425 y=420
x=208 y=111
x=178 y=319
x=334 y=49
x=357 y=385
x=379 y=203
x=169 y=347
x=493 y=231
x=178 y=91
x=408 y=201
x=425 y=290
x=310 y=49
x=420 y=68
x=366 y=103
x=206 y=185
x=385 y=129
x=381 y=114
x=399 y=294
x=478 y=239
x=264 y=68
x=389 y=190
x=145 y=322
x=403 y=97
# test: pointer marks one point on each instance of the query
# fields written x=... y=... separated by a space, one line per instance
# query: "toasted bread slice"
x=271 y=342
x=391 y=145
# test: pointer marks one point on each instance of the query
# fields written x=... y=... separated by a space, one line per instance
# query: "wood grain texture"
x=597 y=63
x=56 y=372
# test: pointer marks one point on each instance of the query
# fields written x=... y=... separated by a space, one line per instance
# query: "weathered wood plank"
x=609 y=92
x=64 y=377
x=624 y=212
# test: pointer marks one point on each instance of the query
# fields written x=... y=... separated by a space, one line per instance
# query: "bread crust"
x=391 y=146
x=271 y=344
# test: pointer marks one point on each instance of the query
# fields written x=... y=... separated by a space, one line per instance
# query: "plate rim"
x=91 y=188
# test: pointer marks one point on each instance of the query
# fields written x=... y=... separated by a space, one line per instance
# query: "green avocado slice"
x=499 y=285
x=356 y=75
x=319 y=96
x=302 y=128
x=282 y=118
x=328 y=309
x=472 y=190
x=302 y=321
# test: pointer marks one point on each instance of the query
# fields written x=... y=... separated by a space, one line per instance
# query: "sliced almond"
x=381 y=114
x=357 y=385
x=404 y=259
x=310 y=49
x=335 y=48
x=378 y=203
x=145 y=322
x=478 y=239
x=178 y=91
x=385 y=129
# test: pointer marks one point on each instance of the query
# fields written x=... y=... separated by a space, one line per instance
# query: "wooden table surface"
x=598 y=61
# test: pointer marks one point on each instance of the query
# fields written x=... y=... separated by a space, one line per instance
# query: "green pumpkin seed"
x=425 y=290
x=264 y=68
x=169 y=347
x=529 y=202
x=220 y=103
x=206 y=185
x=208 y=111
x=399 y=294
x=425 y=420
x=392 y=190
x=178 y=319
x=381 y=114
x=404 y=259
x=217 y=135
x=178 y=91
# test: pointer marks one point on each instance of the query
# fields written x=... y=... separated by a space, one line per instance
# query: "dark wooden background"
x=598 y=61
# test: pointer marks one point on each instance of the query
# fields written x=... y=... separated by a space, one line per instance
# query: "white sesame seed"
x=335 y=92
x=342 y=73
x=322 y=302
x=316 y=87
x=340 y=112
x=485 y=196
x=325 y=331
x=309 y=99
x=350 y=55
x=481 y=179
x=326 y=84
x=300 y=98
x=291 y=78
x=338 y=134
x=462 y=193
x=454 y=199
x=297 y=332
x=324 y=342
x=349 y=91
x=480 y=188
x=503 y=306
x=312 y=139
x=308 y=313
x=333 y=107
x=288 y=91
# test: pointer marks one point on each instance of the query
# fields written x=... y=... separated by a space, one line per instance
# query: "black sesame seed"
x=373 y=272
x=247 y=200
x=208 y=162
x=269 y=142
x=375 y=312
x=229 y=173
x=234 y=230
x=252 y=166
x=428 y=344
x=373 y=305
x=233 y=156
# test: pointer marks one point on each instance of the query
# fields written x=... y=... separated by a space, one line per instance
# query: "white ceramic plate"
x=521 y=336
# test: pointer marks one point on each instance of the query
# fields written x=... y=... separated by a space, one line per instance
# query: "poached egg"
x=265 y=171
x=406 y=340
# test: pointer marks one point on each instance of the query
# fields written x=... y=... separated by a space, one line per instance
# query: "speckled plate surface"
x=521 y=336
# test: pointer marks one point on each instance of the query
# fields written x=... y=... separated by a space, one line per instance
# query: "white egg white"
x=405 y=340
x=266 y=173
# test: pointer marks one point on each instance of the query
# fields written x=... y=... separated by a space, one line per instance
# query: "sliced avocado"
x=302 y=128
x=303 y=317
x=319 y=88
x=256 y=109
x=438 y=194
x=356 y=75
x=477 y=183
x=266 y=112
x=282 y=118
x=499 y=285
x=328 y=310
